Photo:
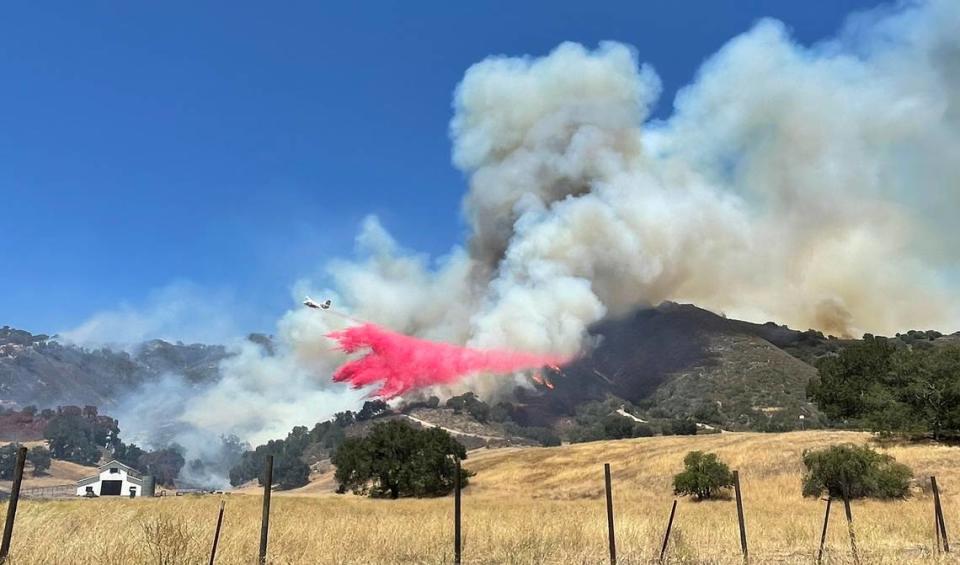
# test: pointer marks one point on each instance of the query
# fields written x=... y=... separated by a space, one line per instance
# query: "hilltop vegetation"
x=40 y=371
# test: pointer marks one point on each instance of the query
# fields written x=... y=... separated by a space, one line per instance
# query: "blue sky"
x=236 y=146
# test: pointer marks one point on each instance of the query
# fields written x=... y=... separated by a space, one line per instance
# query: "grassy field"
x=537 y=505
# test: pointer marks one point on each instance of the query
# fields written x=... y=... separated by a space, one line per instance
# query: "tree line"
x=302 y=444
x=82 y=435
x=909 y=387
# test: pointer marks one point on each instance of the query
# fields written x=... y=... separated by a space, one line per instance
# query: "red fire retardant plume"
x=405 y=363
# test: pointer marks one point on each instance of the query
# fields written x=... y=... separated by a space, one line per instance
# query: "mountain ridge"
x=35 y=369
x=672 y=361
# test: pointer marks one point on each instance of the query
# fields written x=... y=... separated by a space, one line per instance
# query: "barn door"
x=108 y=488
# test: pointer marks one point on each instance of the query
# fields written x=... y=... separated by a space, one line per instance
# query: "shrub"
x=39 y=457
x=642 y=430
x=168 y=540
x=582 y=434
x=850 y=471
x=680 y=427
x=544 y=436
x=468 y=402
x=431 y=402
x=616 y=426
x=704 y=476
x=502 y=412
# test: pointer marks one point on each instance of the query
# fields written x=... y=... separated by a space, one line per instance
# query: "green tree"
x=164 y=464
x=128 y=454
x=616 y=426
x=912 y=390
x=39 y=457
x=502 y=412
x=344 y=419
x=927 y=396
x=850 y=471
x=8 y=461
x=397 y=460
x=704 y=476
x=850 y=385
x=372 y=409
x=72 y=438
x=327 y=435
x=469 y=403
x=290 y=471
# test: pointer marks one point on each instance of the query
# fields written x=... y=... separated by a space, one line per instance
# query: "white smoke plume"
x=179 y=311
x=814 y=186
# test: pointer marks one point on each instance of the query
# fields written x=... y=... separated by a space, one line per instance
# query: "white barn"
x=114 y=479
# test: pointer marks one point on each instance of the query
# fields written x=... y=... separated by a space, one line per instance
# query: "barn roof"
x=114 y=463
x=133 y=475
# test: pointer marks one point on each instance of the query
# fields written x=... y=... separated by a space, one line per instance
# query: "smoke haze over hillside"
x=814 y=186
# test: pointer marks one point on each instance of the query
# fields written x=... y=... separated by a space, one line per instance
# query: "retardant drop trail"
x=404 y=363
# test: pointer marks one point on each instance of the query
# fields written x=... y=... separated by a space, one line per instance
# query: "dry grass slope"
x=537 y=505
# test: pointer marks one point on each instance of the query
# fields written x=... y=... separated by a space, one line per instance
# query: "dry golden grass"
x=524 y=506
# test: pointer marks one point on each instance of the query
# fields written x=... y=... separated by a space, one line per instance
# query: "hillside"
x=671 y=361
x=37 y=370
x=524 y=506
x=678 y=360
x=570 y=472
x=671 y=370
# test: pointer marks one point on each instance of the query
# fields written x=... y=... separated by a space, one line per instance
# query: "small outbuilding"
x=114 y=479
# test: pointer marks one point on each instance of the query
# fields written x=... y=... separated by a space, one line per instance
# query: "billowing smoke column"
x=815 y=186
x=405 y=363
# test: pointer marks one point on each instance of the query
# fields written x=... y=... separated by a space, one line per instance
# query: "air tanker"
x=311 y=303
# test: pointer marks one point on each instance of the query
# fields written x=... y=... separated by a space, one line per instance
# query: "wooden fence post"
x=853 y=538
x=265 y=519
x=666 y=536
x=216 y=535
x=743 y=529
x=611 y=537
x=938 y=512
x=457 y=551
x=12 y=506
x=938 y=547
x=823 y=536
